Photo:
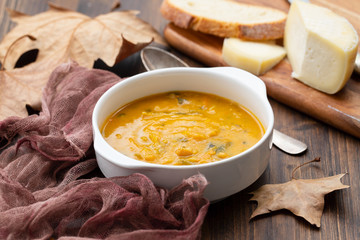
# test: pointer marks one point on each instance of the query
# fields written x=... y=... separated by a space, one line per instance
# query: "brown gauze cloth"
x=51 y=186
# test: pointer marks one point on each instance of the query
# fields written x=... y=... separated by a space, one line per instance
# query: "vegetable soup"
x=182 y=128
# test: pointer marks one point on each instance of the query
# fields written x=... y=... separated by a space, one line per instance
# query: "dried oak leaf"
x=303 y=197
x=63 y=35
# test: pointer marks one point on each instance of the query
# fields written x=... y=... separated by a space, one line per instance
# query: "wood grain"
x=229 y=218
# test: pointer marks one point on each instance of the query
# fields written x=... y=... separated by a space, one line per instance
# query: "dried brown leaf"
x=63 y=35
x=303 y=197
x=22 y=86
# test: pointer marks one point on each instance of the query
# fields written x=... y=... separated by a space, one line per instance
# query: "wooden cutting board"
x=341 y=110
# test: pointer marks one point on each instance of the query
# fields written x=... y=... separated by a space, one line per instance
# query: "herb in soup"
x=182 y=128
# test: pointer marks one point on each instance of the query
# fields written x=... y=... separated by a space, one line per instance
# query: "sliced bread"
x=226 y=18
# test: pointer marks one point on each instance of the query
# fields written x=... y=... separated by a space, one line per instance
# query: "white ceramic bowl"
x=225 y=177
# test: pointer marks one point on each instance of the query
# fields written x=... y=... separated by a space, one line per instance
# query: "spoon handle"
x=288 y=144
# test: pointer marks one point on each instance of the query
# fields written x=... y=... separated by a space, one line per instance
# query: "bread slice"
x=226 y=18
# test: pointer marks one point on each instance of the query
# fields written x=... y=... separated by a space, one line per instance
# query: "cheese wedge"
x=254 y=57
x=321 y=46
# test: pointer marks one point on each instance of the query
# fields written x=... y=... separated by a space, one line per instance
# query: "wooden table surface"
x=229 y=218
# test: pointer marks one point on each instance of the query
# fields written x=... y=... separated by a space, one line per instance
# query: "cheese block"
x=226 y=18
x=321 y=46
x=255 y=57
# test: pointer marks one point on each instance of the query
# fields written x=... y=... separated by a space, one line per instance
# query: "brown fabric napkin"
x=47 y=183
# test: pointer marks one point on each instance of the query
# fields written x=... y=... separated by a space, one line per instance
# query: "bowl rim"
x=98 y=138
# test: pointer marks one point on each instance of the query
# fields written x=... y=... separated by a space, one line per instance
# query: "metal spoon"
x=156 y=58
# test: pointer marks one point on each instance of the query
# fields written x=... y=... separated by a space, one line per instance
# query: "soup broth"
x=182 y=128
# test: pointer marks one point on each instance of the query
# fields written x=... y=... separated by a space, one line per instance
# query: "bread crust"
x=175 y=15
x=259 y=31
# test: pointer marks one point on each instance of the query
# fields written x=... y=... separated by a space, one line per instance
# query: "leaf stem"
x=317 y=159
x=12 y=44
x=116 y=5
